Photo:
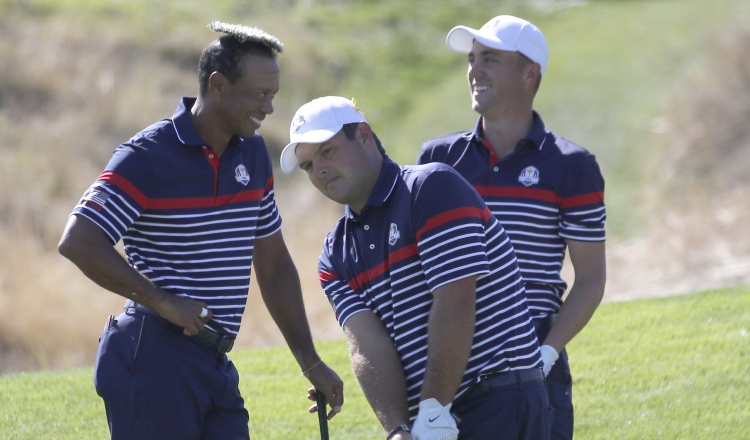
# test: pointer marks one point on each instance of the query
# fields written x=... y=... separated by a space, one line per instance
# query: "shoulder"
x=435 y=171
x=434 y=180
x=565 y=147
x=447 y=140
x=158 y=134
x=571 y=159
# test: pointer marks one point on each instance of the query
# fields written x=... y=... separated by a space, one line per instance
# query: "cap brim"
x=288 y=158
x=461 y=39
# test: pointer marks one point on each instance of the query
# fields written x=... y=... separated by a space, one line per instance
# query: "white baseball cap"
x=504 y=32
x=316 y=122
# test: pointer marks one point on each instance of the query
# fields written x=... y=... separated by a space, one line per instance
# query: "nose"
x=319 y=170
x=267 y=106
x=474 y=71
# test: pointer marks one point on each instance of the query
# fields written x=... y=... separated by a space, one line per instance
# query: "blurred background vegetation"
x=658 y=90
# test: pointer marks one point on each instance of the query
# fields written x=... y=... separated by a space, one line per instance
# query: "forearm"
x=450 y=335
x=378 y=369
x=589 y=265
x=281 y=291
x=282 y=295
x=85 y=246
x=578 y=308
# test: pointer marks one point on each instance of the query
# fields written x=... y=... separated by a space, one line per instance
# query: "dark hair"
x=523 y=60
x=350 y=130
x=225 y=56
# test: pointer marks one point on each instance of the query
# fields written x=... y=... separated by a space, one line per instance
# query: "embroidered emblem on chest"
x=529 y=176
x=241 y=175
x=393 y=234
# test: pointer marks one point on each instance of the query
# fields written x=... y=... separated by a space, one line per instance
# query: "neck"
x=208 y=127
x=505 y=133
x=369 y=184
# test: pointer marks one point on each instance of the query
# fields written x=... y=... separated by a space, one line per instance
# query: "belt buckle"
x=225 y=344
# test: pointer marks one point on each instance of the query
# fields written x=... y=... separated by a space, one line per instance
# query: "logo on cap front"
x=492 y=23
x=299 y=122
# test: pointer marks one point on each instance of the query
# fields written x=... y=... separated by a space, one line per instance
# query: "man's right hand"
x=326 y=381
x=549 y=356
x=183 y=312
x=434 y=422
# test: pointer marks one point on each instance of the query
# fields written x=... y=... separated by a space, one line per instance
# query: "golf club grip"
x=322 y=417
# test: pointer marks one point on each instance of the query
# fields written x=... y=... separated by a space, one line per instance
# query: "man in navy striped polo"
x=192 y=199
x=546 y=191
x=425 y=284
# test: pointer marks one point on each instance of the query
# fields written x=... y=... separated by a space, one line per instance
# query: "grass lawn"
x=666 y=368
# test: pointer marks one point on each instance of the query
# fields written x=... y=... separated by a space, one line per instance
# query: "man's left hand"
x=434 y=422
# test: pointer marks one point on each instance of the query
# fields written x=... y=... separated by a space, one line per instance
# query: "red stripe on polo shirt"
x=125 y=185
x=326 y=276
x=393 y=257
x=582 y=200
x=540 y=194
x=452 y=215
x=180 y=203
x=512 y=191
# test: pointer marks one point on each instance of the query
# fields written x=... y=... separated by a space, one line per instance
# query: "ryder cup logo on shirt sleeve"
x=241 y=175
x=529 y=176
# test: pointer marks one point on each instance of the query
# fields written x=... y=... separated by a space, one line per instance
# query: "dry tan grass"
x=698 y=235
x=66 y=100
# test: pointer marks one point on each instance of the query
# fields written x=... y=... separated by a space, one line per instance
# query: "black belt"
x=504 y=379
x=220 y=343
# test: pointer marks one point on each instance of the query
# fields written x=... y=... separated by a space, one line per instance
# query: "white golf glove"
x=549 y=356
x=434 y=422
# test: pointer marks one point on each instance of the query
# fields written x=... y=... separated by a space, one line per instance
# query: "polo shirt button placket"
x=496 y=169
x=372 y=246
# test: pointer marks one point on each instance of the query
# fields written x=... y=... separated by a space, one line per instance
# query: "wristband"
x=304 y=373
x=398 y=429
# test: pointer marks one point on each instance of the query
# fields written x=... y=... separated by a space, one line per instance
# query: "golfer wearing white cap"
x=546 y=191
x=426 y=286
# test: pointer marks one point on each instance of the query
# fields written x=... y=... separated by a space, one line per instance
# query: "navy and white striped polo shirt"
x=424 y=227
x=188 y=220
x=547 y=191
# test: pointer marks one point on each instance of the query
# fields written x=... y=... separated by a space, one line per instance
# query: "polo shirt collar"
x=183 y=125
x=536 y=136
x=387 y=179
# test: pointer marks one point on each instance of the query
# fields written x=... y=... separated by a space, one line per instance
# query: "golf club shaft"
x=322 y=416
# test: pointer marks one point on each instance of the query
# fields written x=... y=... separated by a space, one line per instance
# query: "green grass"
x=668 y=368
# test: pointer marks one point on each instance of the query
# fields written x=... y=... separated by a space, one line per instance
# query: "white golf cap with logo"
x=316 y=122
x=504 y=32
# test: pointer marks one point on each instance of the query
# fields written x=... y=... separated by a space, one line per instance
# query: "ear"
x=364 y=133
x=216 y=82
x=533 y=71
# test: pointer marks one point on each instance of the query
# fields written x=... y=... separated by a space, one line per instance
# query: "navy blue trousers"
x=157 y=383
x=560 y=387
x=517 y=411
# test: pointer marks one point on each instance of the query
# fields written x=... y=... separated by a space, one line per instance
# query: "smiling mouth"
x=257 y=121
x=480 y=89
